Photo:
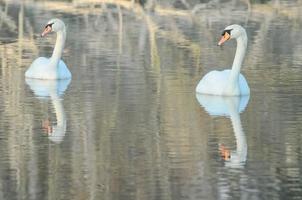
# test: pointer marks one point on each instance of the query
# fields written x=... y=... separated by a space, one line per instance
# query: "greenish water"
x=129 y=125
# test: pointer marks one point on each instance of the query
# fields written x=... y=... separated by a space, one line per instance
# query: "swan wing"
x=243 y=85
x=37 y=68
x=213 y=82
x=63 y=71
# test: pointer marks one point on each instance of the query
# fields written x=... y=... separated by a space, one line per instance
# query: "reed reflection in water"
x=132 y=126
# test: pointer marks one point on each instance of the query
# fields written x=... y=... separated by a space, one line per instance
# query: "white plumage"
x=215 y=82
x=228 y=82
x=53 y=67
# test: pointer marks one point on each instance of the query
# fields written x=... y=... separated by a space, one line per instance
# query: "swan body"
x=41 y=68
x=53 y=67
x=230 y=107
x=48 y=88
x=217 y=80
x=219 y=106
x=228 y=82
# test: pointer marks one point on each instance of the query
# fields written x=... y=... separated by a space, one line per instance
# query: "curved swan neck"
x=59 y=46
x=239 y=135
x=241 y=145
x=59 y=129
x=59 y=109
x=239 y=56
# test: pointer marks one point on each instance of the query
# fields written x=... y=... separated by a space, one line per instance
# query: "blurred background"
x=128 y=125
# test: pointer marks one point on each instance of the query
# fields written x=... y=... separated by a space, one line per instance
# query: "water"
x=129 y=125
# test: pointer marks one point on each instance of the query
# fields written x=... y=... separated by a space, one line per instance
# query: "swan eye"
x=226 y=31
x=49 y=25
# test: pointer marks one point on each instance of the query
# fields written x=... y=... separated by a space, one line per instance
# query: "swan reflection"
x=229 y=107
x=52 y=89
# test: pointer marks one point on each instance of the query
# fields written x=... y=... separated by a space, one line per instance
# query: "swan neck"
x=241 y=145
x=59 y=46
x=59 y=110
x=239 y=56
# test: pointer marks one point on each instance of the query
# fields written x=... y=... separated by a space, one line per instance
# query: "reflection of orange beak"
x=46 y=31
x=224 y=38
x=46 y=126
x=224 y=152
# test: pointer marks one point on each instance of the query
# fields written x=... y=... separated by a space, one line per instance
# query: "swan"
x=228 y=82
x=53 y=67
x=52 y=89
x=230 y=107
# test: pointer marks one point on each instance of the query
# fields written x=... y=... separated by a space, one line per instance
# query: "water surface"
x=129 y=126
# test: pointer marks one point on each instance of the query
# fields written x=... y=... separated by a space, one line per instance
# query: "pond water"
x=129 y=124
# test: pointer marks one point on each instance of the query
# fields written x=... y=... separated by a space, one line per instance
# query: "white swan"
x=53 y=89
x=228 y=82
x=229 y=106
x=53 y=67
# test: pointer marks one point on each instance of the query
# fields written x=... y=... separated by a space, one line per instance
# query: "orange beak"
x=224 y=38
x=46 y=126
x=224 y=152
x=46 y=31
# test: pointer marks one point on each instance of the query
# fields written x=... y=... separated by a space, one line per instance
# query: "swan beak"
x=224 y=153
x=224 y=38
x=46 y=31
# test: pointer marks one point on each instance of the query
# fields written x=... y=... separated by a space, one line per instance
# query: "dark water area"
x=129 y=124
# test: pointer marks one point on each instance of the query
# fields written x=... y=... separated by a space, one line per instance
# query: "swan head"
x=55 y=133
x=231 y=32
x=232 y=159
x=53 y=25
